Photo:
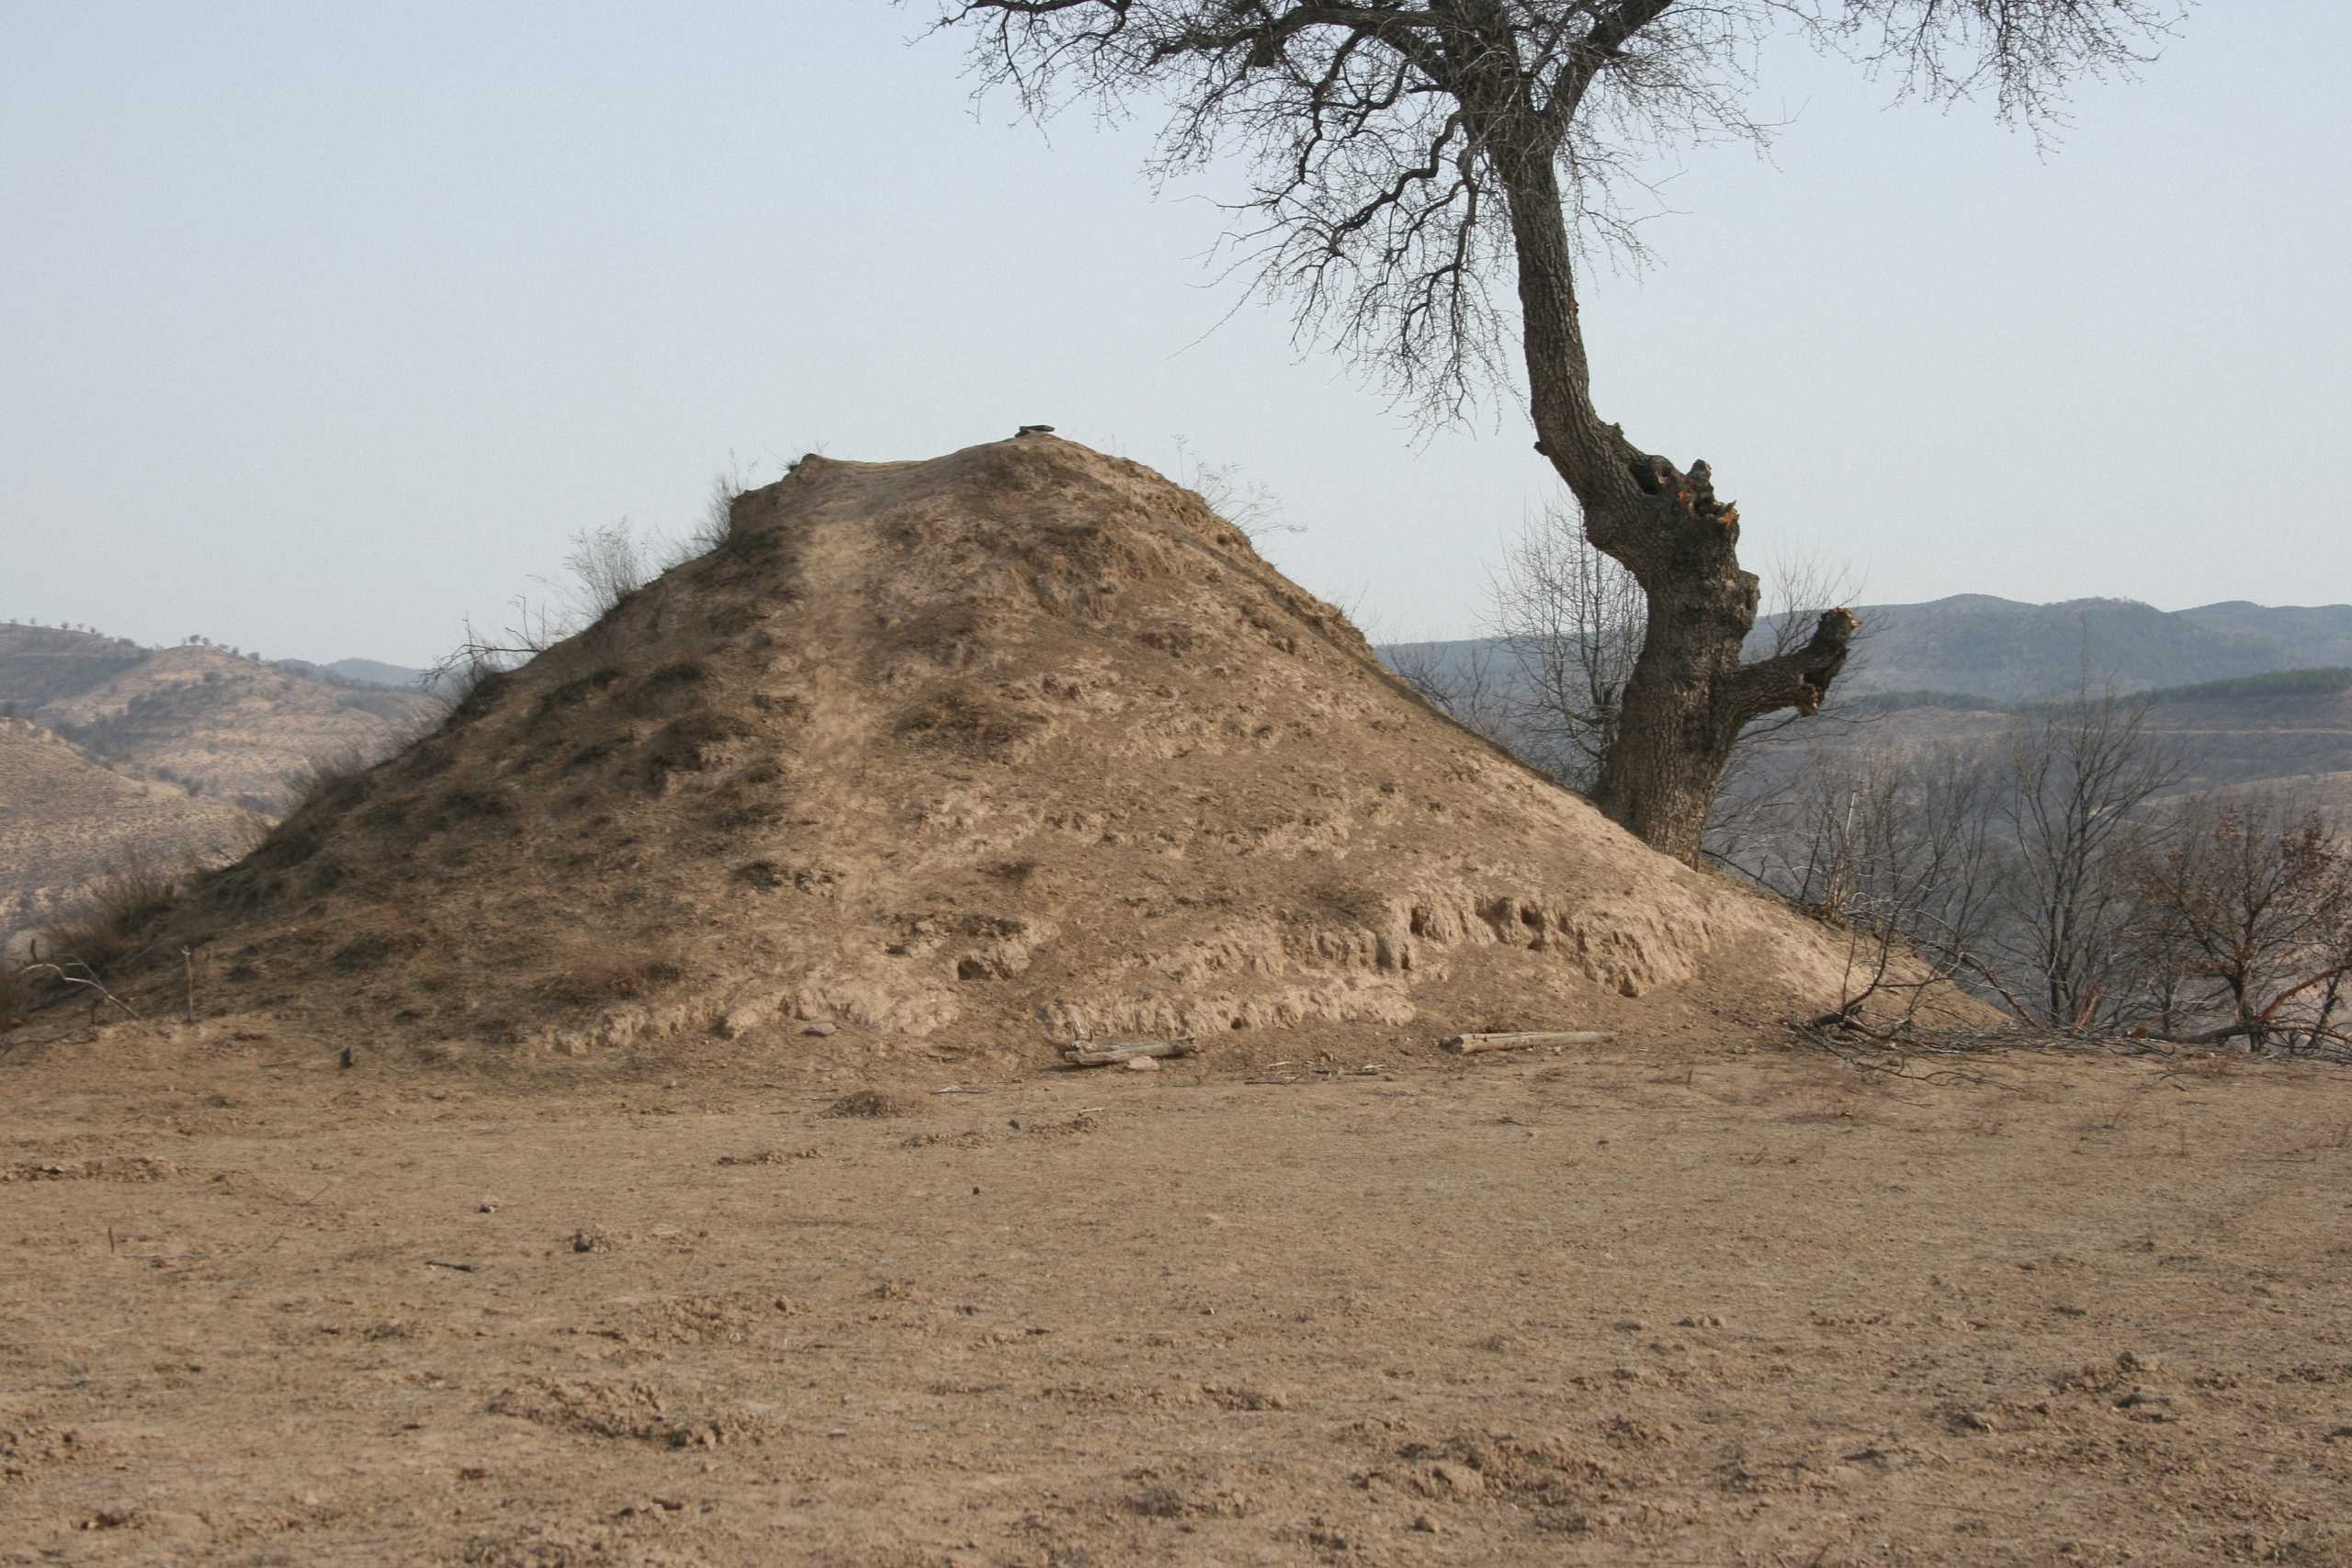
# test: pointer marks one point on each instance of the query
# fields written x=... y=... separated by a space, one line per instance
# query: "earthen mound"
x=1016 y=746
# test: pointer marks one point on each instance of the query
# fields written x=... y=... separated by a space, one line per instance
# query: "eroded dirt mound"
x=1015 y=746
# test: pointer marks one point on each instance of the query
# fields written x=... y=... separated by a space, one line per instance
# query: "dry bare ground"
x=1730 y=1302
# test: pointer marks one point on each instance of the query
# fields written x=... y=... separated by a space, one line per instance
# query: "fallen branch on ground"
x=1469 y=1044
x=88 y=978
x=1083 y=1056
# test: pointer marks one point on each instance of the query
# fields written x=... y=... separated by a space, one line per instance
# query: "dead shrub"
x=873 y=1105
x=334 y=781
x=109 y=923
x=608 y=564
x=719 y=527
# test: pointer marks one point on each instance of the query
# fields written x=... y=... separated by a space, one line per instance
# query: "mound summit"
x=1015 y=746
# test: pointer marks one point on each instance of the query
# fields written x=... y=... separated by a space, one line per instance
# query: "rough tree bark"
x=1690 y=695
x=1405 y=149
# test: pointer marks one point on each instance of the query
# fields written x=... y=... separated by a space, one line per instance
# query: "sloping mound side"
x=1015 y=746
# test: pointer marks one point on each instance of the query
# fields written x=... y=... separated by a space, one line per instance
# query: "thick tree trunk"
x=1674 y=736
x=1689 y=695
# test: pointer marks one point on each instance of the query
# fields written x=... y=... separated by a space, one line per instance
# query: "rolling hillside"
x=196 y=716
x=66 y=821
x=2012 y=651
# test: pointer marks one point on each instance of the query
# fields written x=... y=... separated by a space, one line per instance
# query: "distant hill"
x=42 y=664
x=66 y=821
x=202 y=717
x=2231 y=683
x=2289 y=731
x=2007 y=651
x=2012 y=651
x=375 y=672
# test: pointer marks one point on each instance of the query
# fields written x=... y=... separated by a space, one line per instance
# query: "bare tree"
x=1570 y=621
x=1407 y=152
x=2251 y=901
x=2078 y=773
x=1898 y=848
x=1469 y=685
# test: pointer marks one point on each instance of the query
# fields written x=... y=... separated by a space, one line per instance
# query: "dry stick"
x=1127 y=1051
x=1468 y=1045
x=57 y=972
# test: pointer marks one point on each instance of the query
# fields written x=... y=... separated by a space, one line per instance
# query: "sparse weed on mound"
x=330 y=774
x=108 y=924
x=717 y=528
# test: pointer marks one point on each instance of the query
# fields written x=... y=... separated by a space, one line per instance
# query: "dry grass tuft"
x=107 y=923
x=873 y=1104
x=339 y=776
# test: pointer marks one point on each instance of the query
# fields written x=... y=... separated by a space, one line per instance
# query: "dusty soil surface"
x=1730 y=1304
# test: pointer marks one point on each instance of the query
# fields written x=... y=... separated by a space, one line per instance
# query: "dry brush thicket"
x=2050 y=866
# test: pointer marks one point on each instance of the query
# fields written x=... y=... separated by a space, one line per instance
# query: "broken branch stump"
x=1470 y=1044
x=1119 y=1051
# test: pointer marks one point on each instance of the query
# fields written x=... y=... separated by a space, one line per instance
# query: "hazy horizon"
x=320 y=333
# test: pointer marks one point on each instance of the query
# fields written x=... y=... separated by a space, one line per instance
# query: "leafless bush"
x=2078 y=775
x=1245 y=502
x=605 y=568
x=1570 y=623
x=715 y=530
x=1898 y=849
x=608 y=565
x=1468 y=686
x=460 y=675
x=104 y=926
x=2246 y=922
x=323 y=773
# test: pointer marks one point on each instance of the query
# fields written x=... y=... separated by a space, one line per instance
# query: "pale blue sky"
x=321 y=327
